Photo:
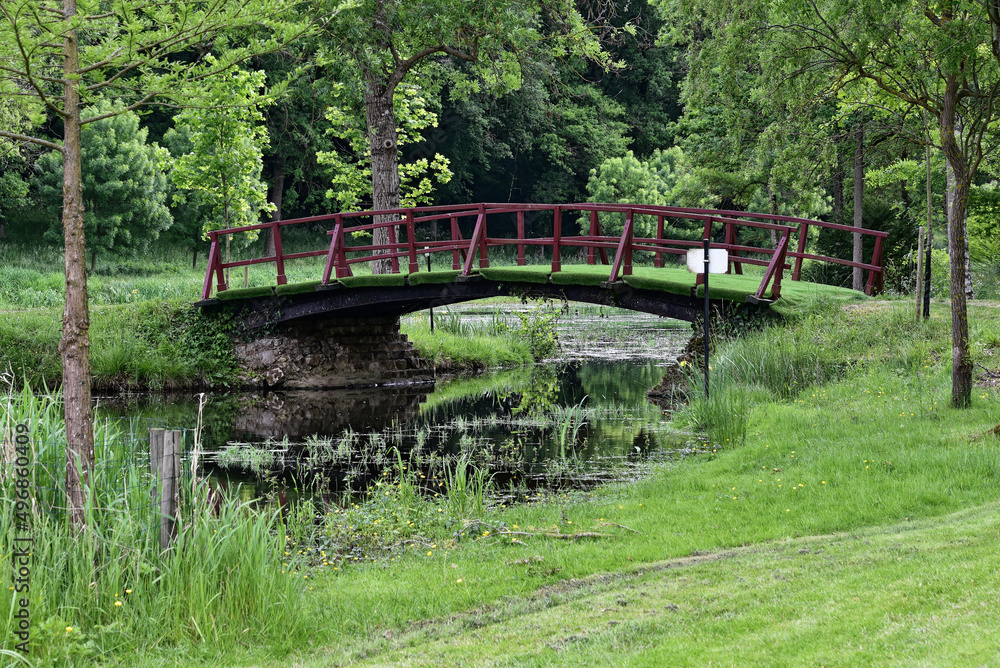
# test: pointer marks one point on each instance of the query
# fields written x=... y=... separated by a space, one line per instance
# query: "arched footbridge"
x=442 y=255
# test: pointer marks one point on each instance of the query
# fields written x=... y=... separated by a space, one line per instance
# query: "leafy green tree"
x=653 y=181
x=984 y=223
x=13 y=195
x=387 y=40
x=297 y=130
x=187 y=207
x=13 y=166
x=124 y=186
x=647 y=83
x=226 y=135
x=352 y=169
x=56 y=57
x=538 y=143
x=895 y=56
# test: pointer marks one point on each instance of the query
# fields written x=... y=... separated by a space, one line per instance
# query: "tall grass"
x=108 y=590
x=723 y=415
x=467 y=488
x=779 y=362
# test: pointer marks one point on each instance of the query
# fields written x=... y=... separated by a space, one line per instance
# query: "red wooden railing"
x=340 y=255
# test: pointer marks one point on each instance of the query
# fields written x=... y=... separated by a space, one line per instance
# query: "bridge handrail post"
x=214 y=260
x=343 y=269
x=624 y=243
x=775 y=268
x=331 y=255
x=336 y=257
x=871 y=288
x=520 y=237
x=477 y=233
x=658 y=260
x=411 y=241
x=456 y=236
x=484 y=253
x=556 y=238
x=221 y=285
x=279 y=255
x=594 y=226
x=800 y=249
x=627 y=265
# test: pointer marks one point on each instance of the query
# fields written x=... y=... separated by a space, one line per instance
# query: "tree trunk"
x=381 y=122
x=772 y=208
x=276 y=195
x=857 y=281
x=968 y=271
x=928 y=236
x=194 y=257
x=961 y=362
x=838 y=187
x=950 y=180
x=74 y=346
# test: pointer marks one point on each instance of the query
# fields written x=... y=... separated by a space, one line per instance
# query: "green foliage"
x=627 y=179
x=222 y=161
x=940 y=274
x=190 y=209
x=124 y=186
x=13 y=193
x=494 y=37
x=984 y=223
x=538 y=327
x=352 y=169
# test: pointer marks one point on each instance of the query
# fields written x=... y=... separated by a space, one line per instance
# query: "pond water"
x=575 y=421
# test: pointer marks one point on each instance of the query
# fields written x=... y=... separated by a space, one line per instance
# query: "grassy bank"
x=144 y=335
x=851 y=434
x=150 y=345
x=842 y=513
x=462 y=341
x=155 y=345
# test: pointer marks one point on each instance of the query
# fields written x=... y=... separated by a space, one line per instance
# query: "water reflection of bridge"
x=581 y=261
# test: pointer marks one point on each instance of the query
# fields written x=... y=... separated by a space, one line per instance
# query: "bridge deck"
x=665 y=291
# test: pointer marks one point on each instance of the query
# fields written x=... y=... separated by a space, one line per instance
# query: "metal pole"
x=705 y=330
x=920 y=274
x=431 y=309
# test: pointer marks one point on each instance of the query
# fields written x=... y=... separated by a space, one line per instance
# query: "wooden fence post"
x=155 y=455
x=165 y=465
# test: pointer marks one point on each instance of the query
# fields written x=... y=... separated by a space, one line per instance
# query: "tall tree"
x=387 y=40
x=58 y=56
x=226 y=137
x=897 y=54
x=124 y=186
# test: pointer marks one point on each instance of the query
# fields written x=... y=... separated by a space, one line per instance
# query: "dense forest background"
x=684 y=103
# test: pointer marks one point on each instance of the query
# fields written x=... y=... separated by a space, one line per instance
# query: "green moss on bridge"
x=671 y=279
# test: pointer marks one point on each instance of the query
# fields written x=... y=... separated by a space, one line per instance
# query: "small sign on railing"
x=718 y=260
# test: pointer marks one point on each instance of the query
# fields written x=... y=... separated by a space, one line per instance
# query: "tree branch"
x=31 y=140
